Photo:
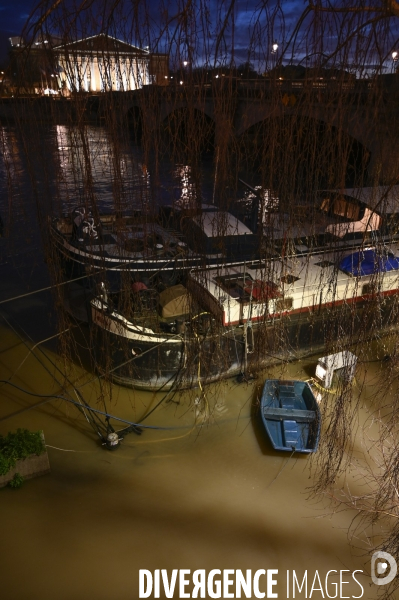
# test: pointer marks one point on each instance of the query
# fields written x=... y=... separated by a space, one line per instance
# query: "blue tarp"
x=368 y=262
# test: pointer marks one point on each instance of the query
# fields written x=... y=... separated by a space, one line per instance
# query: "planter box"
x=30 y=467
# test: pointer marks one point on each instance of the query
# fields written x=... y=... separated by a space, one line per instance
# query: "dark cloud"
x=13 y=17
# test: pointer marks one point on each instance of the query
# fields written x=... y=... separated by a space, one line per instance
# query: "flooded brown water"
x=209 y=494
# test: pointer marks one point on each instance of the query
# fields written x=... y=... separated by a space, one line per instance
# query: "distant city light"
x=275 y=47
x=185 y=63
x=181 y=83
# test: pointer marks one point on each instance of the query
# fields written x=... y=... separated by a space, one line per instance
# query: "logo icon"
x=383 y=563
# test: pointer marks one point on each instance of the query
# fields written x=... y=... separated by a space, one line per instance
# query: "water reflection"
x=94 y=166
x=65 y=166
x=11 y=171
x=186 y=188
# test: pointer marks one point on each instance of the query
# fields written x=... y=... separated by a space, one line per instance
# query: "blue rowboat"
x=291 y=415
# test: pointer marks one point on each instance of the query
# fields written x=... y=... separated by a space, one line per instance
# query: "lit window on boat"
x=340 y=206
x=325 y=204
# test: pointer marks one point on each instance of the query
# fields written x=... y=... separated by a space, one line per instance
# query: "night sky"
x=14 y=15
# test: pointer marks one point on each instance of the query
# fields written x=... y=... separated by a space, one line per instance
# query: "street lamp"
x=275 y=47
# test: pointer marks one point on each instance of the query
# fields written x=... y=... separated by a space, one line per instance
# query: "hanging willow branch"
x=389 y=8
x=292 y=121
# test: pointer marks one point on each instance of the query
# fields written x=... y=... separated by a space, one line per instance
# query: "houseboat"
x=181 y=238
x=234 y=320
x=148 y=247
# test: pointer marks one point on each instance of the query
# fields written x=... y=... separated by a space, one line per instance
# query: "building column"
x=77 y=67
x=131 y=74
x=92 y=75
x=101 y=74
x=124 y=77
x=113 y=67
x=85 y=67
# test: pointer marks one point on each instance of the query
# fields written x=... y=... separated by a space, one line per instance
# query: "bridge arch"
x=135 y=121
x=300 y=151
x=348 y=111
x=192 y=128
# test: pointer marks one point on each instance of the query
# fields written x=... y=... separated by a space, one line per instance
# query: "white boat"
x=234 y=320
x=149 y=246
x=182 y=238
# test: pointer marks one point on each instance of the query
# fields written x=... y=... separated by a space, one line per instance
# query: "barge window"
x=324 y=263
x=369 y=288
x=236 y=285
x=341 y=207
x=284 y=304
x=248 y=289
x=325 y=204
x=289 y=279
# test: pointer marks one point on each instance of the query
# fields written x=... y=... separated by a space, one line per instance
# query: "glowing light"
x=320 y=372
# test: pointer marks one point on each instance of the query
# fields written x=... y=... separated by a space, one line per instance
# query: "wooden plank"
x=280 y=414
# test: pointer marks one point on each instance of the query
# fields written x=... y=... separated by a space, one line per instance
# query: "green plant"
x=16 y=481
x=17 y=446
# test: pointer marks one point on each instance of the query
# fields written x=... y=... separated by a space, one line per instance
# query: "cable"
x=50 y=287
x=38 y=344
x=18 y=412
x=63 y=449
x=96 y=424
x=321 y=388
x=95 y=410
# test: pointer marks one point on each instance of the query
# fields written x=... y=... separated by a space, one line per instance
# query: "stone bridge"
x=364 y=110
x=367 y=112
